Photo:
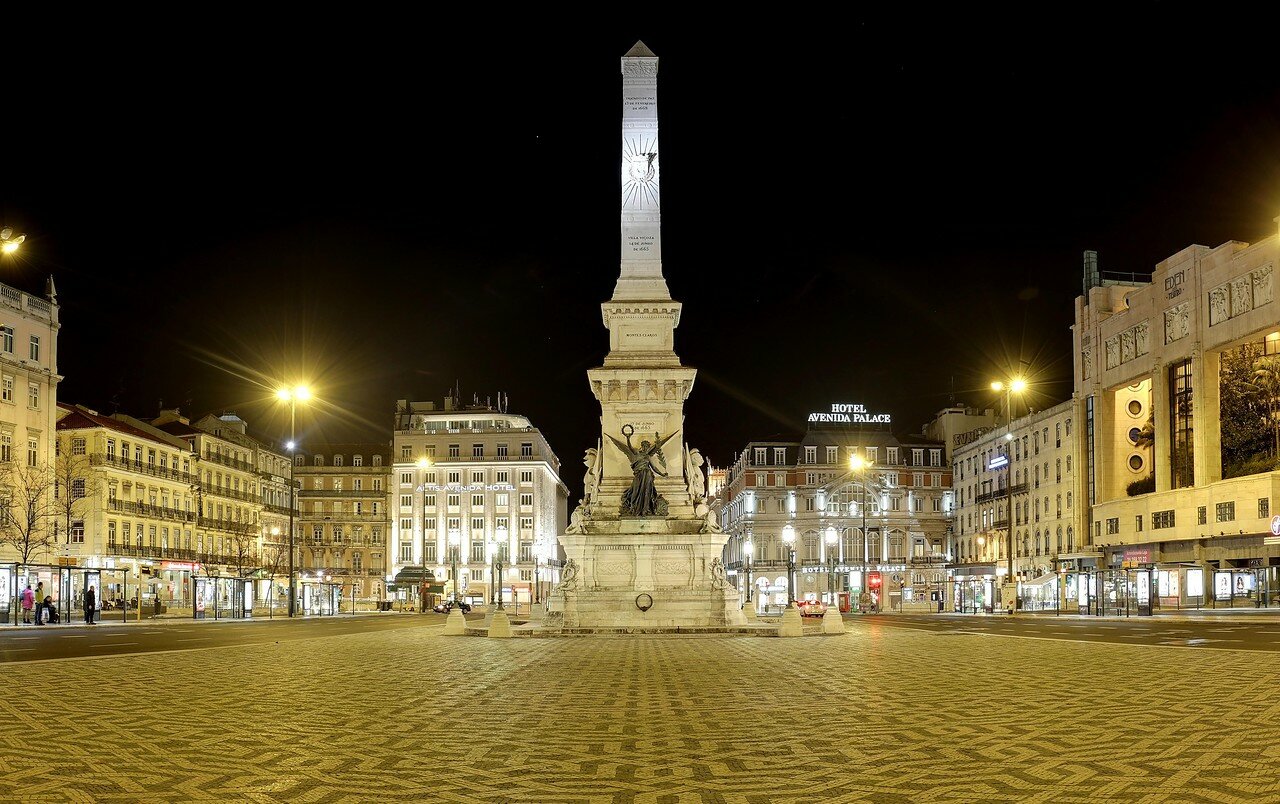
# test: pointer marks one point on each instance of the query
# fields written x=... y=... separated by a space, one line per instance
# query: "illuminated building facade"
x=344 y=520
x=890 y=518
x=1177 y=386
x=477 y=472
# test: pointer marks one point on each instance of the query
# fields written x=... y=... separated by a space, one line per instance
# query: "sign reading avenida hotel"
x=846 y=413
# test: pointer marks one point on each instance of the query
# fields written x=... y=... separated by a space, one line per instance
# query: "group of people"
x=42 y=604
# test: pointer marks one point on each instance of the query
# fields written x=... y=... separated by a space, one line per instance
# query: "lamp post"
x=831 y=621
x=424 y=463
x=539 y=546
x=1014 y=386
x=499 y=556
x=748 y=549
x=831 y=538
x=292 y=396
x=789 y=539
x=455 y=543
x=790 y=625
x=858 y=466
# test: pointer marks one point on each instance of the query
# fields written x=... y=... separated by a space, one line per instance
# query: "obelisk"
x=645 y=551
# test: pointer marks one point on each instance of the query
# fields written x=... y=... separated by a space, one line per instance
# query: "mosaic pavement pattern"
x=878 y=714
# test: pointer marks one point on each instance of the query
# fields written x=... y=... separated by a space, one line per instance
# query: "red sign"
x=873 y=580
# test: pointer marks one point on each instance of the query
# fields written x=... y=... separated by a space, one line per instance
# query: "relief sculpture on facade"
x=1142 y=338
x=1218 y=306
x=1113 y=352
x=1262 y=290
x=1241 y=295
x=1126 y=346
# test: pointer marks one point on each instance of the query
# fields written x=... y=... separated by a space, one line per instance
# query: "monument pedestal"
x=500 y=625
x=832 y=622
x=645 y=572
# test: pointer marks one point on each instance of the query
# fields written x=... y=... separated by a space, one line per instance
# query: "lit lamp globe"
x=790 y=625
x=831 y=622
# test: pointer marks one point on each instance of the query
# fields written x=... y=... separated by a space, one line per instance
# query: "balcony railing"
x=1020 y=488
x=180 y=554
x=153 y=511
x=102 y=459
x=371 y=494
x=931 y=558
x=223 y=491
x=227 y=525
x=243 y=466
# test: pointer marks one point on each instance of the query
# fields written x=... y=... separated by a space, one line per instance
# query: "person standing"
x=28 y=600
x=39 y=602
x=90 y=605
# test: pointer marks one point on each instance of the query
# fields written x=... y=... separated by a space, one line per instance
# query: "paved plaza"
x=879 y=714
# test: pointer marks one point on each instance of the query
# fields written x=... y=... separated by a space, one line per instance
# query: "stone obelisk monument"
x=642 y=548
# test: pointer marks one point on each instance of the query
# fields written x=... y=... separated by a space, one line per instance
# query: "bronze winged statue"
x=647 y=462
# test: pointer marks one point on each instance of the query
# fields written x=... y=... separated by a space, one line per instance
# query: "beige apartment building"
x=344 y=522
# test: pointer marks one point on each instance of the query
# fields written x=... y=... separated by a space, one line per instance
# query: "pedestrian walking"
x=39 y=598
x=28 y=601
x=90 y=605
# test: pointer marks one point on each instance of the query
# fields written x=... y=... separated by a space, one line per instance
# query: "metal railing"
x=154 y=511
x=233 y=463
x=102 y=459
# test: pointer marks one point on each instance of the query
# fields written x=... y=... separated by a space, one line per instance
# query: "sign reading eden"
x=846 y=413
x=998 y=462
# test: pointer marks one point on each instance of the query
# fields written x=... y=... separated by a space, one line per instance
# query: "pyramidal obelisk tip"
x=640 y=51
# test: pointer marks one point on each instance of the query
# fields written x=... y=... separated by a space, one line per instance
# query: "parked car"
x=812 y=608
x=447 y=606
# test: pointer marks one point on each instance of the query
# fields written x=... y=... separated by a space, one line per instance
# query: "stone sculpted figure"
x=591 y=480
x=719 y=578
x=694 y=474
x=647 y=463
x=569 y=575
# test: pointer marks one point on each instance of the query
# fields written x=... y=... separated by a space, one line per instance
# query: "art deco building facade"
x=345 y=517
x=477 y=474
x=1193 y=357
x=890 y=519
x=1036 y=463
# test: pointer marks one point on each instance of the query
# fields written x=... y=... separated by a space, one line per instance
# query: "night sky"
x=885 y=210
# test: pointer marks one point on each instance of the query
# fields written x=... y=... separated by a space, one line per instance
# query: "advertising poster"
x=1195 y=583
x=1144 y=588
x=1244 y=583
x=1082 y=584
x=1222 y=585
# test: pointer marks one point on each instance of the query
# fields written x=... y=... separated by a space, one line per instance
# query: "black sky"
x=876 y=209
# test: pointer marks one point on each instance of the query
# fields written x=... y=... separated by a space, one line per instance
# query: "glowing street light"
x=1016 y=385
x=9 y=243
x=832 y=539
x=294 y=395
x=748 y=549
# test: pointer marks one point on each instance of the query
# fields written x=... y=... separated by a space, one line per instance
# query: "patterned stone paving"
x=878 y=714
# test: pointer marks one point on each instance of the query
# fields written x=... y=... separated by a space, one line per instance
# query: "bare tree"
x=273 y=560
x=75 y=485
x=27 y=512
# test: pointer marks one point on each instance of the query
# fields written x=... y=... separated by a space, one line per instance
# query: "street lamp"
x=499 y=555
x=789 y=539
x=859 y=466
x=424 y=463
x=832 y=538
x=455 y=544
x=748 y=549
x=294 y=395
x=1014 y=386
x=9 y=243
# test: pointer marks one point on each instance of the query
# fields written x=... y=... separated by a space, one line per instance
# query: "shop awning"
x=1048 y=577
x=412 y=576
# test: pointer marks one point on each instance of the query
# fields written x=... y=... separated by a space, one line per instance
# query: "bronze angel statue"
x=647 y=462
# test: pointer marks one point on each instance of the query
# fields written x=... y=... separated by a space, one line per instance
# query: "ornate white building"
x=475 y=474
x=890 y=518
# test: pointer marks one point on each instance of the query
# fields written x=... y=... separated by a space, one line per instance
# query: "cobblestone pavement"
x=878 y=714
